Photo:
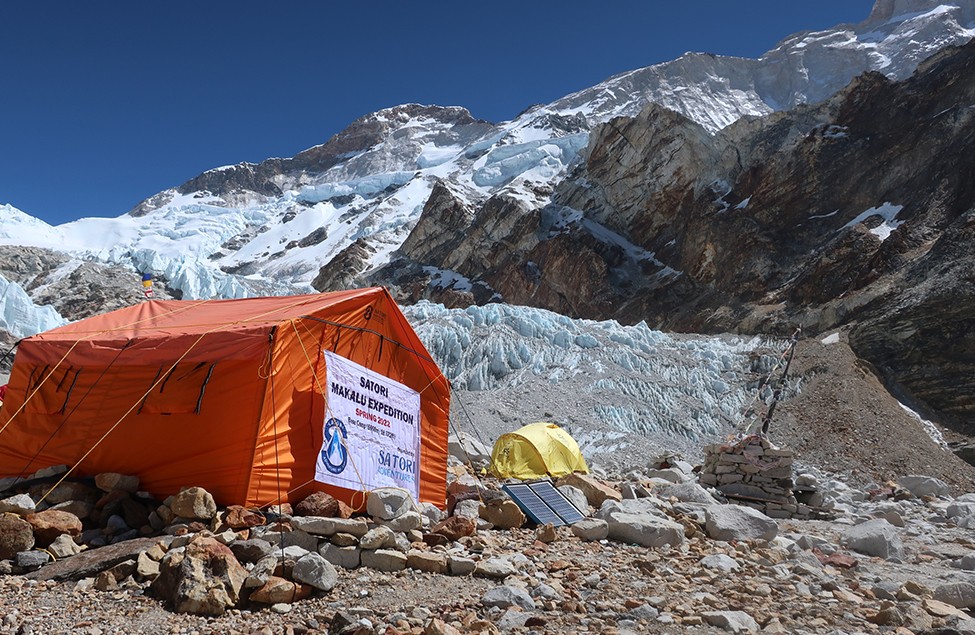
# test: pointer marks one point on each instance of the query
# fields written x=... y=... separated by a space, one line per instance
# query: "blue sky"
x=103 y=104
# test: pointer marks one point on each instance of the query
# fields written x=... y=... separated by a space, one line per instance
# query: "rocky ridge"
x=821 y=217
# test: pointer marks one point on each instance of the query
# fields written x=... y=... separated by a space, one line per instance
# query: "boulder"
x=503 y=514
x=280 y=591
x=958 y=594
x=16 y=535
x=734 y=621
x=387 y=503
x=505 y=596
x=238 y=517
x=468 y=450
x=49 y=524
x=458 y=565
x=20 y=504
x=251 y=550
x=736 y=522
x=203 y=579
x=924 y=485
x=468 y=508
x=685 y=493
x=378 y=538
x=194 y=503
x=345 y=557
x=875 y=538
x=89 y=562
x=261 y=572
x=590 y=529
x=64 y=546
x=576 y=497
x=454 y=528
x=719 y=562
x=407 y=522
x=384 y=560
x=318 y=504
x=110 y=481
x=596 y=491
x=32 y=560
x=639 y=522
x=82 y=509
x=315 y=571
x=431 y=513
x=495 y=568
x=426 y=561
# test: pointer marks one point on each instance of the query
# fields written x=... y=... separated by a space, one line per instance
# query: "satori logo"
x=335 y=455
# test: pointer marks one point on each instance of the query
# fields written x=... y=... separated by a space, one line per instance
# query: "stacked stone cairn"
x=752 y=471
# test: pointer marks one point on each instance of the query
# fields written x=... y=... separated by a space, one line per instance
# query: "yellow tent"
x=536 y=450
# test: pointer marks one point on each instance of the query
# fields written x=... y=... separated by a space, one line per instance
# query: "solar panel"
x=543 y=503
x=557 y=502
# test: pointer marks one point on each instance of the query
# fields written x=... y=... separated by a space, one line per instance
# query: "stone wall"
x=754 y=472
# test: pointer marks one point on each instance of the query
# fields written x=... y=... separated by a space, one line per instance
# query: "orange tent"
x=230 y=395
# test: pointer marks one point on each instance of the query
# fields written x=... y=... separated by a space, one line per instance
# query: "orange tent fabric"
x=224 y=394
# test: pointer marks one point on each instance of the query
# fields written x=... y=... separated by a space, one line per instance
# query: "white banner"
x=371 y=435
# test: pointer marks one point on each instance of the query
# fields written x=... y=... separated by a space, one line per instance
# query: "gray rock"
x=384 y=560
x=670 y=474
x=495 y=568
x=387 y=503
x=284 y=539
x=345 y=557
x=20 y=504
x=505 y=596
x=431 y=513
x=546 y=592
x=720 y=562
x=292 y=552
x=734 y=621
x=640 y=522
x=407 y=522
x=251 y=550
x=645 y=612
x=468 y=509
x=31 y=560
x=380 y=537
x=735 y=522
x=924 y=485
x=468 y=450
x=966 y=562
x=960 y=509
x=261 y=572
x=513 y=619
x=874 y=538
x=686 y=493
x=591 y=529
x=458 y=565
x=315 y=525
x=576 y=496
x=958 y=594
x=316 y=571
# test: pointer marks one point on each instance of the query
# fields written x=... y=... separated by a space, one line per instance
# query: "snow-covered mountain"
x=331 y=214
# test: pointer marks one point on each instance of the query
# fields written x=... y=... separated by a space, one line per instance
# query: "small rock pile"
x=754 y=473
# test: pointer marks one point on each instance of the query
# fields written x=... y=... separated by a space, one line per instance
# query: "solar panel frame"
x=542 y=503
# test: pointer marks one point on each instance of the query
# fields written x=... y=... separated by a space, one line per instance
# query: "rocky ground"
x=877 y=558
x=675 y=560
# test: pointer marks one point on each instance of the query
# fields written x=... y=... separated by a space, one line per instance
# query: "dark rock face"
x=90 y=288
x=856 y=212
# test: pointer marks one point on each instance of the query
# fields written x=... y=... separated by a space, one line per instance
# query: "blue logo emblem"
x=335 y=456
